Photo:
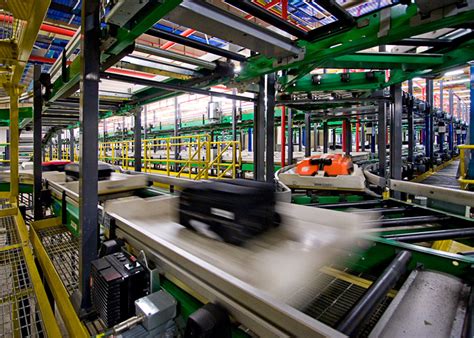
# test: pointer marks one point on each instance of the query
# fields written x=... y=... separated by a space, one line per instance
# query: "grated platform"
x=19 y=311
x=8 y=233
x=63 y=250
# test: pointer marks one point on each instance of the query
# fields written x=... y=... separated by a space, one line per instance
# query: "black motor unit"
x=229 y=210
x=117 y=280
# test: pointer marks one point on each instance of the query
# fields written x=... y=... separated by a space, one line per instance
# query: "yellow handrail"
x=463 y=180
x=195 y=156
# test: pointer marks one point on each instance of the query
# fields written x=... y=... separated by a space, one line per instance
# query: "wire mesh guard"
x=63 y=251
x=8 y=232
x=19 y=311
x=332 y=301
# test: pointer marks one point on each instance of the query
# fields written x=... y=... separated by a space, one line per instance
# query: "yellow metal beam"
x=47 y=314
x=32 y=14
x=14 y=144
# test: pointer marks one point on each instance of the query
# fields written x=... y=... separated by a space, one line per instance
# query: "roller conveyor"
x=265 y=302
x=329 y=297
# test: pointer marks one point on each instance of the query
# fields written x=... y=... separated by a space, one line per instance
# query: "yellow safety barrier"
x=191 y=156
x=463 y=180
x=165 y=154
x=116 y=152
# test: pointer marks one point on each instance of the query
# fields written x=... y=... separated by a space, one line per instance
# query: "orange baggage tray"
x=331 y=164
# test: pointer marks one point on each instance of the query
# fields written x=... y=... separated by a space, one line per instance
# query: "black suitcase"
x=229 y=210
x=105 y=170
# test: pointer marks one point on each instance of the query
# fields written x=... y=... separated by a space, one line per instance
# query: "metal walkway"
x=445 y=178
x=24 y=308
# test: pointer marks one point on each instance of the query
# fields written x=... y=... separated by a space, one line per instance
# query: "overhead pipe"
x=188 y=32
x=44 y=27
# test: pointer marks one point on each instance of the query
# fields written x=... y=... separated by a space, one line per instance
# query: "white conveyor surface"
x=281 y=262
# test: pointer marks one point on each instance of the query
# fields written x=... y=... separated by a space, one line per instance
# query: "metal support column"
x=411 y=123
x=307 y=142
x=325 y=137
x=283 y=136
x=60 y=145
x=234 y=116
x=300 y=138
x=430 y=134
x=50 y=151
x=145 y=122
x=381 y=138
x=357 y=134
x=362 y=136
x=441 y=95
x=37 y=160
x=14 y=143
x=396 y=134
x=71 y=145
x=348 y=136
x=290 y=136
x=259 y=133
x=89 y=138
x=316 y=137
x=270 y=127
x=470 y=172
x=451 y=122
x=137 y=132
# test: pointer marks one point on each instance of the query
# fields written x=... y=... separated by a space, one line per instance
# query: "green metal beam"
x=370 y=31
x=333 y=81
x=145 y=19
x=125 y=36
x=385 y=61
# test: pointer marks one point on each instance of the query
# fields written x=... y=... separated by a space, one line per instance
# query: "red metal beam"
x=358 y=134
x=284 y=9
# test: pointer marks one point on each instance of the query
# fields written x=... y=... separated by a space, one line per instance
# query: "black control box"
x=117 y=280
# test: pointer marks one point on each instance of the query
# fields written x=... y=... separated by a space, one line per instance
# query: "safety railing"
x=117 y=153
x=180 y=155
x=225 y=159
x=65 y=153
x=463 y=169
x=191 y=156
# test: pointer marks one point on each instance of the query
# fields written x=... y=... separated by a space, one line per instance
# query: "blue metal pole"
x=372 y=143
x=450 y=137
x=451 y=122
x=250 y=138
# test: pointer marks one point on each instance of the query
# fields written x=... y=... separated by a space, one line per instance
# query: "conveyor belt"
x=446 y=177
